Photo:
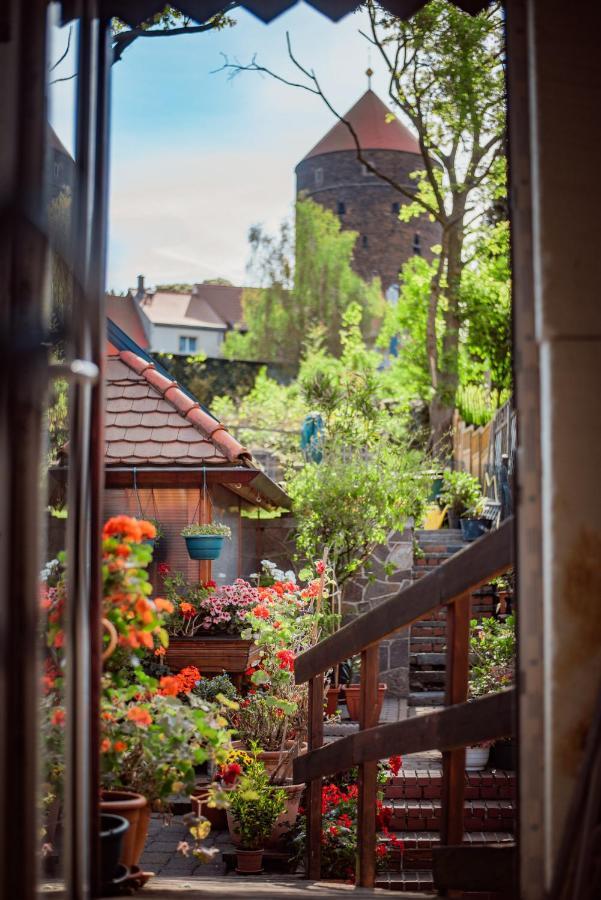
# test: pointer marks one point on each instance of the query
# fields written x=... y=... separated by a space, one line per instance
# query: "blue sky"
x=197 y=158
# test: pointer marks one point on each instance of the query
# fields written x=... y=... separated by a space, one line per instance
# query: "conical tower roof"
x=368 y=118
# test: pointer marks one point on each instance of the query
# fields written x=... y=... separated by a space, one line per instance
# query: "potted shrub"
x=206 y=624
x=492 y=651
x=254 y=807
x=205 y=541
x=473 y=523
x=460 y=492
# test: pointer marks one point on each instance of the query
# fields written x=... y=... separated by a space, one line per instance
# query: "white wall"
x=165 y=339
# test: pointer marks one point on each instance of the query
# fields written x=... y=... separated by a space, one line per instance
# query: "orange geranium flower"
x=148 y=530
x=58 y=717
x=123 y=550
x=119 y=746
x=260 y=612
x=160 y=651
x=169 y=686
x=163 y=605
x=105 y=746
x=187 y=609
x=123 y=526
x=140 y=716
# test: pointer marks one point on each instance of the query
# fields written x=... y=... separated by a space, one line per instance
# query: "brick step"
x=425 y=644
x=426 y=698
x=443 y=535
x=415 y=881
x=426 y=784
x=417 y=846
x=422 y=679
x=427 y=659
x=425 y=815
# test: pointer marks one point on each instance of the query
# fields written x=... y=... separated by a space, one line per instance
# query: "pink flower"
x=320 y=567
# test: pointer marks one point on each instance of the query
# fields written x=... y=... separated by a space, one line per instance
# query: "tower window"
x=318 y=177
x=364 y=241
x=341 y=208
x=395 y=208
x=417 y=244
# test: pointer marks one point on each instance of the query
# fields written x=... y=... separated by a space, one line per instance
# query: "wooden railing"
x=450 y=729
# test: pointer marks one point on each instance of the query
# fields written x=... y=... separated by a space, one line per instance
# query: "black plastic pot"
x=503 y=755
x=471 y=529
x=112 y=832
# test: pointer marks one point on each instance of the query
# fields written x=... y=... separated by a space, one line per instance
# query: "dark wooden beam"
x=487 y=718
x=474 y=868
x=465 y=571
x=181 y=477
x=368 y=771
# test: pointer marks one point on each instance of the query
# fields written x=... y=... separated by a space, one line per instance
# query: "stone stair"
x=427 y=639
x=414 y=801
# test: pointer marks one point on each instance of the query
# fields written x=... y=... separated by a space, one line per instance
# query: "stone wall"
x=388 y=572
x=370 y=206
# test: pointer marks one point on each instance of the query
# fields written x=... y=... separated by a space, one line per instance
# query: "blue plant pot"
x=204 y=546
x=471 y=529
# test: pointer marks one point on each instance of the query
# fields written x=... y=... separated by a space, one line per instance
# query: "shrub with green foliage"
x=461 y=492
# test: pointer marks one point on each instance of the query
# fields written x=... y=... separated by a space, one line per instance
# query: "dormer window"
x=318 y=177
x=395 y=208
x=417 y=244
x=341 y=208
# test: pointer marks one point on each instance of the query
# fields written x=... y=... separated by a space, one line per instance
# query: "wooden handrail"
x=487 y=718
x=464 y=572
x=449 y=730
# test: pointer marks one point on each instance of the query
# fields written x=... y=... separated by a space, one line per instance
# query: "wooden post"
x=205 y=517
x=368 y=772
x=453 y=761
x=315 y=741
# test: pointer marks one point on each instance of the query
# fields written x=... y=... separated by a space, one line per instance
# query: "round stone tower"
x=331 y=175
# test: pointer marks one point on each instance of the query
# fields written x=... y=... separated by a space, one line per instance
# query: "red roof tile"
x=369 y=119
x=151 y=421
x=124 y=312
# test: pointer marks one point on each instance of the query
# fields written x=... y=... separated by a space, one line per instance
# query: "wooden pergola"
x=554 y=99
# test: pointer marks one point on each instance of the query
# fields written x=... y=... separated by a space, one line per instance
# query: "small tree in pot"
x=461 y=492
x=255 y=805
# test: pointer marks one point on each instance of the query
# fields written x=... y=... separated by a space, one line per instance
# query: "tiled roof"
x=224 y=299
x=151 y=421
x=124 y=312
x=216 y=306
x=374 y=132
x=185 y=310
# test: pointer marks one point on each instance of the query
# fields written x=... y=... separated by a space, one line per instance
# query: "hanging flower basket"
x=205 y=541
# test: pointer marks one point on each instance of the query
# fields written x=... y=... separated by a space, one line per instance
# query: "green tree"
x=299 y=300
x=484 y=316
x=369 y=480
x=446 y=77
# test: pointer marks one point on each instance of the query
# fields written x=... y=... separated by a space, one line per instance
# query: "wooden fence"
x=450 y=729
x=488 y=452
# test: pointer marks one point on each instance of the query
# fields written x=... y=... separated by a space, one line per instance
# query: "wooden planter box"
x=211 y=654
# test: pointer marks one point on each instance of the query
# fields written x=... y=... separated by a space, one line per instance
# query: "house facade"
x=182 y=323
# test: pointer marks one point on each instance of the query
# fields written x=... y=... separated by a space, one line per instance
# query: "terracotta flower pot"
x=352 y=693
x=250 y=862
x=332 y=696
x=282 y=825
x=133 y=807
x=271 y=760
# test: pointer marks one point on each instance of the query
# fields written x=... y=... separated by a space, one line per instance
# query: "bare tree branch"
x=61 y=58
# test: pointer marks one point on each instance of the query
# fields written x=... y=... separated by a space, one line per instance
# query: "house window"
x=318 y=177
x=341 y=208
x=417 y=245
x=364 y=241
x=395 y=208
x=187 y=344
